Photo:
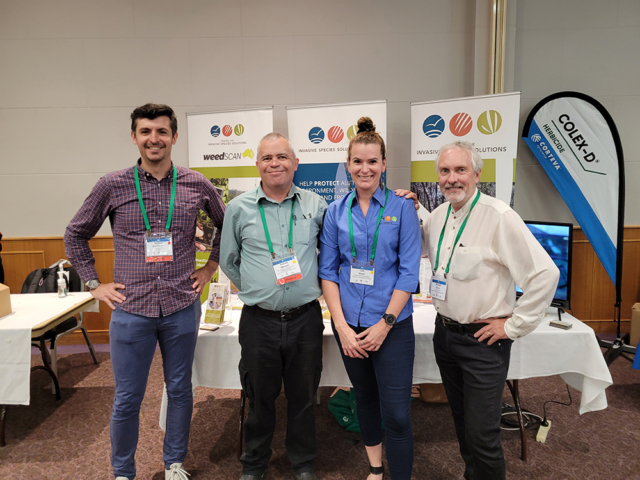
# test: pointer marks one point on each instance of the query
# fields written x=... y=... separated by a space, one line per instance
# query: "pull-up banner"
x=321 y=135
x=222 y=146
x=489 y=122
x=576 y=141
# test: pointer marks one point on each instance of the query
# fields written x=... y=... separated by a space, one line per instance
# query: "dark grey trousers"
x=474 y=376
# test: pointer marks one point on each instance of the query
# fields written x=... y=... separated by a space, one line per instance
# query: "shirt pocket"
x=184 y=215
x=305 y=231
x=466 y=263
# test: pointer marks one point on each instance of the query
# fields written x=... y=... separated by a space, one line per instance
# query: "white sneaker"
x=175 y=472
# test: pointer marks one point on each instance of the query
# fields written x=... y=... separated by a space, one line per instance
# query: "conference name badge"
x=438 y=287
x=362 y=273
x=286 y=268
x=158 y=246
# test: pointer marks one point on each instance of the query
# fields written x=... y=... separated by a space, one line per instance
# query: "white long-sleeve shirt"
x=495 y=252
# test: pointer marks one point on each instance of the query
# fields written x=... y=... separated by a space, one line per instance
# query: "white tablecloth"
x=573 y=354
x=29 y=310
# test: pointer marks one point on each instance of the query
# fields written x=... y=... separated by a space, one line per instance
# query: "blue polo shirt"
x=397 y=261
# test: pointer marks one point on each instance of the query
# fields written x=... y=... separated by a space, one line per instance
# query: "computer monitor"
x=557 y=240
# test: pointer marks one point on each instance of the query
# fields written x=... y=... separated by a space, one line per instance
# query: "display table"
x=573 y=354
x=33 y=315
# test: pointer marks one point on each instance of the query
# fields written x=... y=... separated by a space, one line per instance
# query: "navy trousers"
x=382 y=384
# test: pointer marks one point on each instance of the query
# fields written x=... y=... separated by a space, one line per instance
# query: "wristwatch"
x=389 y=319
x=92 y=284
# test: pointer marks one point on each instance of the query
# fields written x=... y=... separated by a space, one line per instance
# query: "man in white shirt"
x=480 y=249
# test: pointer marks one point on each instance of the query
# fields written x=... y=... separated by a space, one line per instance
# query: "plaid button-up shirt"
x=155 y=288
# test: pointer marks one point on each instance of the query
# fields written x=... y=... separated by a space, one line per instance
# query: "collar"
x=143 y=174
x=294 y=190
x=379 y=195
x=465 y=208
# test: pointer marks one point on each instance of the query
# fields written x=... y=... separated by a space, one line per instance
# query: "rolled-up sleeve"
x=215 y=209
x=409 y=245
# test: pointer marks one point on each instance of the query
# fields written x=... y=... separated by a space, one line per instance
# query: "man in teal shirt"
x=269 y=251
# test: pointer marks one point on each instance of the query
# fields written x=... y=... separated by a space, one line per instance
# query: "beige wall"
x=71 y=71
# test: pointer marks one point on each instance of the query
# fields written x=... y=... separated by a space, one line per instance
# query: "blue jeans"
x=382 y=384
x=133 y=342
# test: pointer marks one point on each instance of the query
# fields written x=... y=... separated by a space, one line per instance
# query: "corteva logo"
x=536 y=138
x=227 y=130
x=489 y=122
x=460 y=124
x=228 y=156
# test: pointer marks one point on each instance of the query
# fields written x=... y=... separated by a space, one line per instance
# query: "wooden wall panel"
x=17 y=265
x=592 y=292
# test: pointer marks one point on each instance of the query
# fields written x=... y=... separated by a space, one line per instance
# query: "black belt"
x=284 y=315
x=454 y=326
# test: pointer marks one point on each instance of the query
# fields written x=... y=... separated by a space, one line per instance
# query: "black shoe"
x=377 y=470
x=305 y=475
x=262 y=476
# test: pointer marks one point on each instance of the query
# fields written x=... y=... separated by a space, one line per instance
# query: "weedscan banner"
x=321 y=135
x=576 y=141
x=222 y=147
x=489 y=122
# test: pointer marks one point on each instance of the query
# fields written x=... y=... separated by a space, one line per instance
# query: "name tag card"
x=438 y=287
x=362 y=273
x=286 y=269
x=158 y=247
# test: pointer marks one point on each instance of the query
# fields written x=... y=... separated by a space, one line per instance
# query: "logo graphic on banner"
x=460 y=124
x=227 y=131
x=489 y=122
x=495 y=137
x=433 y=126
x=248 y=153
x=316 y=135
x=335 y=134
x=239 y=129
x=215 y=131
x=322 y=167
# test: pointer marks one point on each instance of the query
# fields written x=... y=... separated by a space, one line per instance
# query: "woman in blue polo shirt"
x=369 y=266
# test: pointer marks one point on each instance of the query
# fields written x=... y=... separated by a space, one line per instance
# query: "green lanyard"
x=464 y=224
x=266 y=229
x=173 y=197
x=375 y=236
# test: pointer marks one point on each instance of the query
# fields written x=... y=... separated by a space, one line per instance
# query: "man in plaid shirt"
x=152 y=208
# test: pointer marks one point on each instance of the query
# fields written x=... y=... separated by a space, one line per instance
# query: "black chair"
x=39 y=281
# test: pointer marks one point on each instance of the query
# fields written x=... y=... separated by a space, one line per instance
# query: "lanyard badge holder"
x=158 y=246
x=438 y=286
x=363 y=273
x=286 y=267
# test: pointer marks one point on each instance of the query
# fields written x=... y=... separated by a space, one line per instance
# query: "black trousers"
x=474 y=375
x=276 y=351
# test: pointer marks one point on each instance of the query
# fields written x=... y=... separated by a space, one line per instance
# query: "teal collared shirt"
x=245 y=256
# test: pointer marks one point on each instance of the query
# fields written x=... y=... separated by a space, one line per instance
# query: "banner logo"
x=433 y=126
x=489 y=122
x=316 y=135
x=460 y=124
x=536 y=138
x=227 y=131
x=352 y=131
x=335 y=134
x=248 y=153
x=215 y=131
x=239 y=129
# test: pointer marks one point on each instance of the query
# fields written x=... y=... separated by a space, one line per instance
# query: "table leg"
x=3 y=417
x=243 y=399
x=47 y=368
x=515 y=393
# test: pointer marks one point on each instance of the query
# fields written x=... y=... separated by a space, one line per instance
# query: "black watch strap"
x=389 y=319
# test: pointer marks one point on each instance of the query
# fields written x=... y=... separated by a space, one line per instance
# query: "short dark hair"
x=153 y=111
